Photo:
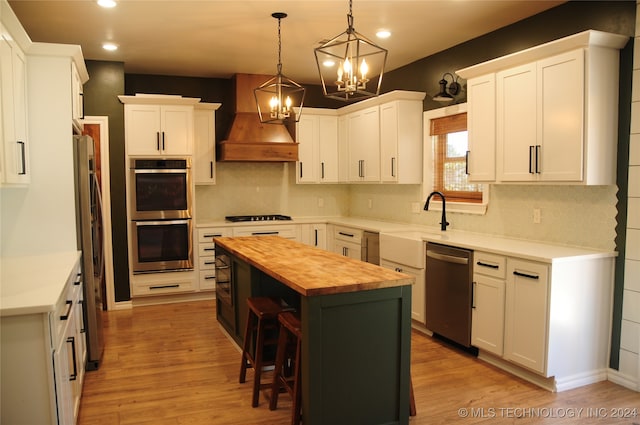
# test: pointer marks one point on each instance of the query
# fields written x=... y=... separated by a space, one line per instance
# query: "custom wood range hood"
x=250 y=140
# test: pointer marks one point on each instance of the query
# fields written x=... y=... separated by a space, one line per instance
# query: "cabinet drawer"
x=207 y=262
x=288 y=232
x=208 y=233
x=207 y=280
x=161 y=288
x=489 y=264
x=206 y=249
x=347 y=234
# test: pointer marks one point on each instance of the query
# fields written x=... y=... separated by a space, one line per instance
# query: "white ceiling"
x=218 y=38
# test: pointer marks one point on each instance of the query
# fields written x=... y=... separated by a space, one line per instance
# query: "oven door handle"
x=160 y=171
x=157 y=223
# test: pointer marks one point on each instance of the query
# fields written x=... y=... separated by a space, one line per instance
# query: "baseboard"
x=122 y=305
x=626 y=381
x=548 y=384
x=174 y=298
x=579 y=380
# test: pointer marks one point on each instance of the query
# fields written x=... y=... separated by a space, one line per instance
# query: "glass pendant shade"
x=277 y=97
x=350 y=65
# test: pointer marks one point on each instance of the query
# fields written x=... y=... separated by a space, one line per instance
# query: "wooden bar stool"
x=289 y=349
x=262 y=318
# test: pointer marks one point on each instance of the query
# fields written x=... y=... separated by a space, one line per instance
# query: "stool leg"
x=297 y=389
x=245 y=347
x=280 y=356
x=412 y=399
x=257 y=360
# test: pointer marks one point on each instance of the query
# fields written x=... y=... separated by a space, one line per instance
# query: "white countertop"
x=531 y=250
x=34 y=284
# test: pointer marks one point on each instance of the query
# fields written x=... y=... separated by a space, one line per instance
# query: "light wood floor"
x=172 y=364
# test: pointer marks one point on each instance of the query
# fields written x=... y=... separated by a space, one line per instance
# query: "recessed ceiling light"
x=107 y=3
x=383 y=34
x=110 y=47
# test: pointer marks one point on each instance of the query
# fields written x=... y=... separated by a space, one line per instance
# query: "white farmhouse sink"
x=404 y=247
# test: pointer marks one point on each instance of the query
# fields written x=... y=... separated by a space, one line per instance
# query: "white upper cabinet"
x=204 y=137
x=401 y=141
x=555 y=114
x=364 y=145
x=317 y=134
x=481 y=127
x=158 y=125
x=77 y=98
x=14 y=152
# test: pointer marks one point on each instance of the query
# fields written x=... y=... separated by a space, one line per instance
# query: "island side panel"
x=356 y=357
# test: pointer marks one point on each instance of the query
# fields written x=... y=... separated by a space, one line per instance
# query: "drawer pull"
x=208 y=263
x=78 y=280
x=264 y=233
x=210 y=249
x=493 y=266
x=346 y=234
x=165 y=286
x=213 y=235
x=209 y=277
x=529 y=276
x=68 y=313
x=73 y=376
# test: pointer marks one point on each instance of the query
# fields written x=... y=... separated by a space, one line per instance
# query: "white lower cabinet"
x=526 y=314
x=287 y=231
x=42 y=358
x=314 y=234
x=347 y=242
x=418 y=300
x=487 y=314
x=207 y=255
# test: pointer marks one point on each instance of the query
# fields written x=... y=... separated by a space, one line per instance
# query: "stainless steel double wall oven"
x=160 y=205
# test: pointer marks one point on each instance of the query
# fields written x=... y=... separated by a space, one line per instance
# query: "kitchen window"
x=445 y=161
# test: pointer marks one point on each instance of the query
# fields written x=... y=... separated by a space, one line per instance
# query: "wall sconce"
x=446 y=93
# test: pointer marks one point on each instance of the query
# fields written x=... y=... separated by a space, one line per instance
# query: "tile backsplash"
x=571 y=215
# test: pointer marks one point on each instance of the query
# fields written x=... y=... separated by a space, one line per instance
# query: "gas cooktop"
x=267 y=217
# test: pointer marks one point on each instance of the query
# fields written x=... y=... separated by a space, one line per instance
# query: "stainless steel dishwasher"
x=448 y=292
x=371 y=247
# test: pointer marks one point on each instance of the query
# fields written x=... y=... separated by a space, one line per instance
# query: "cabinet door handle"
x=72 y=341
x=538 y=147
x=322 y=169
x=493 y=266
x=316 y=237
x=211 y=169
x=23 y=158
x=393 y=166
x=527 y=275
x=157 y=140
x=466 y=163
x=361 y=168
x=68 y=313
x=531 y=159
x=81 y=105
x=163 y=140
x=300 y=169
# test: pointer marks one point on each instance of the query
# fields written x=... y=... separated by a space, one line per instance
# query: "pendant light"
x=347 y=63
x=277 y=97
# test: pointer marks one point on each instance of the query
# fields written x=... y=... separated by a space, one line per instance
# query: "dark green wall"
x=106 y=83
x=422 y=75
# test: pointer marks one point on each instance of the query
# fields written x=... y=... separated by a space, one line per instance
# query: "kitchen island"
x=356 y=324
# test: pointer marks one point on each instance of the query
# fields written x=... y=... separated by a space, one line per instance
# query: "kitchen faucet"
x=444 y=223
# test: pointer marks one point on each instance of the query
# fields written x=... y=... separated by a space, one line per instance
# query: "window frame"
x=429 y=165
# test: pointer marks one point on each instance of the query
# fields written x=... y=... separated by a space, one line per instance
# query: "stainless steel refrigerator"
x=90 y=242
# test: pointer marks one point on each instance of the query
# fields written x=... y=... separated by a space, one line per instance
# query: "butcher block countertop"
x=310 y=271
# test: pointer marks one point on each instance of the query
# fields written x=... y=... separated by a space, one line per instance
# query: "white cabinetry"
x=207 y=255
x=314 y=234
x=487 y=314
x=555 y=114
x=526 y=315
x=481 y=127
x=77 y=98
x=347 y=242
x=158 y=125
x=401 y=142
x=204 y=137
x=364 y=145
x=14 y=151
x=317 y=134
x=43 y=360
x=287 y=231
